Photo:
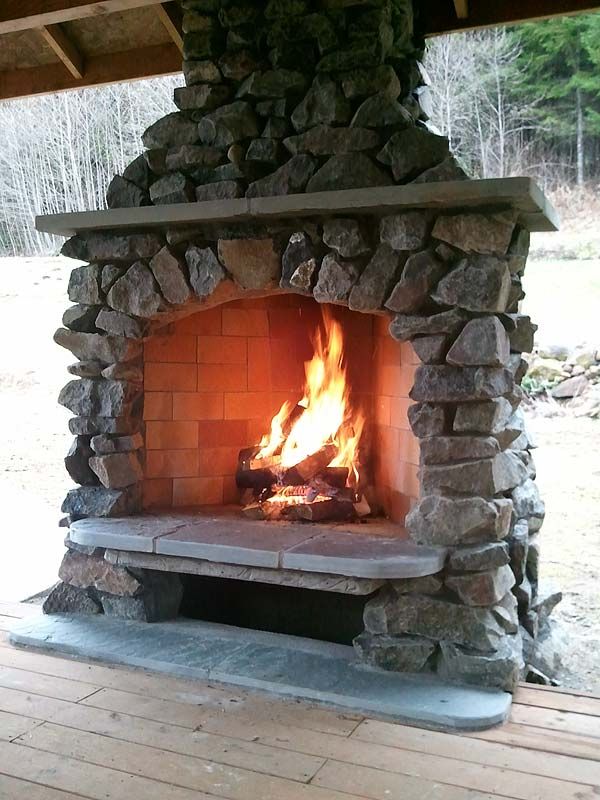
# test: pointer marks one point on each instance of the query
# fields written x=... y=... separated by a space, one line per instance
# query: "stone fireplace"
x=299 y=189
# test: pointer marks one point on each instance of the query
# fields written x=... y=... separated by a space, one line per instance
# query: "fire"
x=328 y=416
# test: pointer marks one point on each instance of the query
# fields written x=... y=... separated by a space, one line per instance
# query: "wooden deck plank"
x=14 y=725
x=46 y=685
x=545 y=740
x=495 y=754
x=556 y=720
x=443 y=770
x=229 y=751
x=19 y=789
x=185 y=772
x=578 y=704
x=34 y=706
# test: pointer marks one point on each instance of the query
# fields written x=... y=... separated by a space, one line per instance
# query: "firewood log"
x=309 y=467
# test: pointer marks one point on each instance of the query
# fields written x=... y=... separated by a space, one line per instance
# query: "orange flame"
x=328 y=415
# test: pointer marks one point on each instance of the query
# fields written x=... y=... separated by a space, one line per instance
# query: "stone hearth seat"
x=291 y=110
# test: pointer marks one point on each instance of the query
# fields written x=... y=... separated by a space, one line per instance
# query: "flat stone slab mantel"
x=369 y=550
x=522 y=194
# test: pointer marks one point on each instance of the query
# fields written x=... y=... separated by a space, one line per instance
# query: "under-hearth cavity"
x=297 y=337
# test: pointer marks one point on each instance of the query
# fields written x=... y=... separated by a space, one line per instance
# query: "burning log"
x=249 y=477
x=330 y=510
x=306 y=469
x=336 y=477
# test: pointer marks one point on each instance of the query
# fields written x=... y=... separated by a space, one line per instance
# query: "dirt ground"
x=34 y=439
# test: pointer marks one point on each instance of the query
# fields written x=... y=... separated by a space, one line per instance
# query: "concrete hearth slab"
x=282 y=665
x=367 y=556
x=375 y=550
x=232 y=541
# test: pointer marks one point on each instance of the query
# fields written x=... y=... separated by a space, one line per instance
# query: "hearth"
x=309 y=377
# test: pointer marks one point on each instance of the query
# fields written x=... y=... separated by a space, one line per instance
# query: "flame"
x=328 y=415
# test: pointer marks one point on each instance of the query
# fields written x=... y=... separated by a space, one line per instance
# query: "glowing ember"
x=307 y=442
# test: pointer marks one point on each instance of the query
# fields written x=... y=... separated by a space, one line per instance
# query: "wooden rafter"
x=462 y=8
x=64 y=48
x=145 y=62
x=170 y=16
x=438 y=18
x=21 y=15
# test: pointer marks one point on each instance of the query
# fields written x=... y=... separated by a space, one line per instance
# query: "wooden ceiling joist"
x=64 y=48
x=462 y=8
x=22 y=15
x=170 y=16
x=439 y=18
x=145 y=62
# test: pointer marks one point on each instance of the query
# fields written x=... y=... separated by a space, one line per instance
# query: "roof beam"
x=145 y=62
x=21 y=15
x=64 y=48
x=462 y=8
x=170 y=16
x=439 y=18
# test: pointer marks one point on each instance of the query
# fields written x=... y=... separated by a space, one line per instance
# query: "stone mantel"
x=536 y=213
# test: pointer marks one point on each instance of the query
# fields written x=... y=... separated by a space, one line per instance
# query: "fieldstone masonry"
x=283 y=97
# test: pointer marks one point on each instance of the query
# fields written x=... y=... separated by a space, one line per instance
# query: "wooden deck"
x=75 y=730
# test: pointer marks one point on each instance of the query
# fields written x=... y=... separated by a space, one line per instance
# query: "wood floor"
x=69 y=730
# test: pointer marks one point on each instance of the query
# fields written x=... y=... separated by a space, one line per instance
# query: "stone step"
x=377 y=549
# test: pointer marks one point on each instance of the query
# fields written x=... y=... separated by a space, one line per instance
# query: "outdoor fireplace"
x=310 y=377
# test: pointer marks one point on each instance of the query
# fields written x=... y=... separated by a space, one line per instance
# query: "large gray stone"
x=407 y=326
x=96 y=501
x=447 y=170
x=491 y=416
x=219 y=190
x=238 y=65
x=522 y=334
x=376 y=280
x=345 y=237
x=336 y=279
x=433 y=618
x=273 y=83
x=477 y=283
x=229 y=124
x=170 y=276
x=348 y=171
x=81 y=318
x=323 y=140
x=366 y=82
x=528 y=503
x=572 y=387
x=206 y=272
x=86 y=369
x=158 y=600
x=201 y=97
x=291 y=178
x=170 y=131
x=172 y=188
x=190 y=157
x=98 y=246
x=394 y=653
x=253 y=263
x=443 y=449
x=118 y=470
x=65 y=599
x=84 y=285
x=412 y=151
x=500 y=669
x=479 y=557
x=122 y=193
x=485 y=477
x=444 y=384
x=482 y=588
x=77 y=462
x=129 y=371
x=406 y=231
x=323 y=104
x=381 y=111
x=94 y=572
x=136 y=292
x=119 y=324
x=507 y=613
x=299 y=263
x=427 y=420
x=200 y=71
x=92 y=426
x=96 y=347
x=103 y=444
x=419 y=278
x=518 y=544
x=489 y=234
x=138 y=172
x=451 y=521
x=103 y=398
x=482 y=341
x=431 y=349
